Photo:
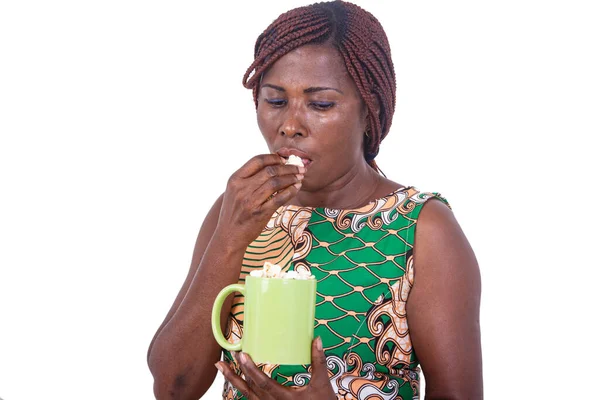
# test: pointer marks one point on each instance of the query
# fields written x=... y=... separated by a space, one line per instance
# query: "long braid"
x=363 y=45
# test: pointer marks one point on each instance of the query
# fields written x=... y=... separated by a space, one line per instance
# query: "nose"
x=293 y=124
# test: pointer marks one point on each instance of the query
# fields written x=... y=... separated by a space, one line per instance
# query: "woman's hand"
x=253 y=194
x=259 y=386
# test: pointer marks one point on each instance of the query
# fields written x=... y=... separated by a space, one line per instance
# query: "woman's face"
x=309 y=106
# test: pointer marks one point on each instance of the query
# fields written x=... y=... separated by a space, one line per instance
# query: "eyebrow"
x=308 y=90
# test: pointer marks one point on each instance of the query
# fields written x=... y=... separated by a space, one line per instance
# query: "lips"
x=286 y=152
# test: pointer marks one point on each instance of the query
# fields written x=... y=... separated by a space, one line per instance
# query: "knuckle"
x=271 y=170
x=259 y=160
x=232 y=181
x=275 y=183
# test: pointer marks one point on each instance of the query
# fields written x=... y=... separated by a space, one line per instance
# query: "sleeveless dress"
x=363 y=262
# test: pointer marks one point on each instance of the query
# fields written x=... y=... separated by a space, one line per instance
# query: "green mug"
x=279 y=319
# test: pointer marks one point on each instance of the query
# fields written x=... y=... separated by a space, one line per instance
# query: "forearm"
x=183 y=355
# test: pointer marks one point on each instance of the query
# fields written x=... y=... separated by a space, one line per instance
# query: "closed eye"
x=322 y=105
x=276 y=102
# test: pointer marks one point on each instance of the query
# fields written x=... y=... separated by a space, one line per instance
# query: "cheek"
x=343 y=135
x=265 y=124
x=260 y=119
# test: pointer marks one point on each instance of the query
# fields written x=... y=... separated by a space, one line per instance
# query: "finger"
x=320 y=374
x=257 y=163
x=275 y=185
x=281 y=197
x=236 y=381
x=273 y=178
x=262 y=385
x=273 y=171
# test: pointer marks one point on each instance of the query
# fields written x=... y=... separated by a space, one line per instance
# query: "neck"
x=352 y=190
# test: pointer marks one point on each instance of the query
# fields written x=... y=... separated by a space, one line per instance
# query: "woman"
x=324 y=88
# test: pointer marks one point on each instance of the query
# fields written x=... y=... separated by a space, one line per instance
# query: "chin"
x=308 y=185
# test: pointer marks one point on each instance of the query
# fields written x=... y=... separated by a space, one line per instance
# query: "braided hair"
x=363 y=45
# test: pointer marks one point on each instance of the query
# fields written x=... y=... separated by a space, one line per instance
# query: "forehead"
x=310 y=65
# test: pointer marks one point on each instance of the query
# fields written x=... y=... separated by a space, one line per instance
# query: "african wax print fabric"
x=363 y=262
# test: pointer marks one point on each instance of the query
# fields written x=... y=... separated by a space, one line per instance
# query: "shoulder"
x=438 y=234
x=421 y=198
x=410 y=202
x=445 y=265
x=435 y=213
x=443 y=306
x=442 y=254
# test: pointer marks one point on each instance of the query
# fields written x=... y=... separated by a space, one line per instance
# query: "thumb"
x=320 y=375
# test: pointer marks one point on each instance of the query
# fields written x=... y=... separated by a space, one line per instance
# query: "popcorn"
x=257 y=273
x=304 y=274
x=271 y=270
x=294 y=160
x=290 y=275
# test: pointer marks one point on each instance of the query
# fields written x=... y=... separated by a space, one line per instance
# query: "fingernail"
x=301 y=170
x=243 y=357
x=297 y=185
x=299 y=177
x=319 y=343
x=219 y=367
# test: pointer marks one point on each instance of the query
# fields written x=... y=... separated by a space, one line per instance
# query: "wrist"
x=227 y=242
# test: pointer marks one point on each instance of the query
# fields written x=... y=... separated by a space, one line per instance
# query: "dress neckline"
x=365 y=207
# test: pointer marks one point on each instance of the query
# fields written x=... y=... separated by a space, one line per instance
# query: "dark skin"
x=327 y=126
x=308 y=102
x=296 y=115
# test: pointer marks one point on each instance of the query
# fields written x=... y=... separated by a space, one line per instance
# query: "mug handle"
x=216 y=316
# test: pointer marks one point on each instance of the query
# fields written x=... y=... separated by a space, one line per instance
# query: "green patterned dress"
x=362 y=260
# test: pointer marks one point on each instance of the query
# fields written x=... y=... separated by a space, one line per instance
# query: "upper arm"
x=204 y=236
x=443 y=306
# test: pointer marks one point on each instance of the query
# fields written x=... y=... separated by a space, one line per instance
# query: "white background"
x=121 y=121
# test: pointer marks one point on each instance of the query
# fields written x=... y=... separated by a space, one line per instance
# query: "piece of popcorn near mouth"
x=294 y=160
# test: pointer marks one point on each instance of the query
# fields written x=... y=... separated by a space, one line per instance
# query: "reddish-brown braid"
x=361 y=41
